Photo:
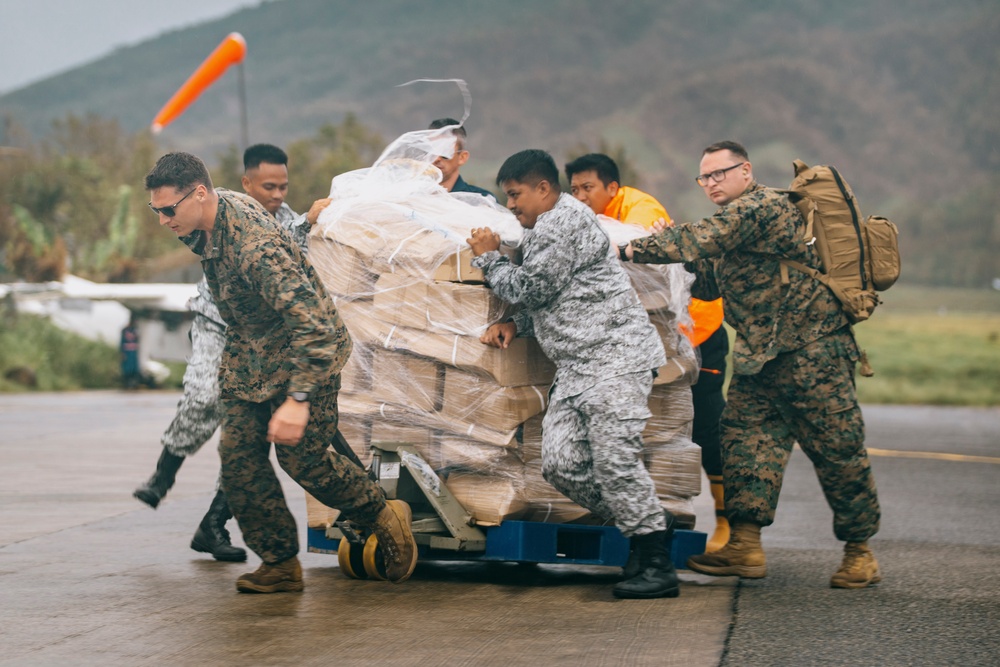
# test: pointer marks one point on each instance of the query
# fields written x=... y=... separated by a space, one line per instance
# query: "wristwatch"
x=299 y=396
x=621 y=252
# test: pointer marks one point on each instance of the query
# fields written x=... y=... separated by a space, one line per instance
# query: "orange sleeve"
x=635 y=207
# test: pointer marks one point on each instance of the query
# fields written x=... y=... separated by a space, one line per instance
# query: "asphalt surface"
x=90 y=576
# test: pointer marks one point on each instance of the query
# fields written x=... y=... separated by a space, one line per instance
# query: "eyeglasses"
x=170 y=211
x=718 y=175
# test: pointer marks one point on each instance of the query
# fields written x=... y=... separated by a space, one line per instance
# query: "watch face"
x=299 y=396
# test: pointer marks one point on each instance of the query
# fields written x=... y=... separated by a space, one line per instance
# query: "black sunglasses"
x=170 y=211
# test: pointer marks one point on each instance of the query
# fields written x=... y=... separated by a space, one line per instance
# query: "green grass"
x=938 y=300
x=60 y=360
x=945 y=358
x=931 y=346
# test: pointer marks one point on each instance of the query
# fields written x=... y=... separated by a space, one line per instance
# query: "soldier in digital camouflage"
x=279 y=375
x=578 y=302
x=793 y=363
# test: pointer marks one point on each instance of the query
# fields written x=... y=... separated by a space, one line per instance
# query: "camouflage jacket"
x=284 y=332
x=295 y=224
x=576 y=299
x=735 y=254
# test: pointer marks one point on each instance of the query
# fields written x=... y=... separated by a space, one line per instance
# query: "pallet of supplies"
x=391 y=250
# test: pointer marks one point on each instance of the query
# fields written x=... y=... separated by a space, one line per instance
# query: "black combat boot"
x=632 y=566
x=212 y=536
x=152 y=492
x=656 y=577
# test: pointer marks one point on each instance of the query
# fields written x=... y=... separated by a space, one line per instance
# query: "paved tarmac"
x=89 y=576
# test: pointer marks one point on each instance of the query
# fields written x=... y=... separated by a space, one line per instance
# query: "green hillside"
x=901 y=96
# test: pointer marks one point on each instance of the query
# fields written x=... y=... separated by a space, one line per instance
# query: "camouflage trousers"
x=198 y=412
x=252 y=487
x=592 y=453
x=806 y=396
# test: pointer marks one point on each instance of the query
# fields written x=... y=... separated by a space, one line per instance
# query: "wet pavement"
x=90 y=576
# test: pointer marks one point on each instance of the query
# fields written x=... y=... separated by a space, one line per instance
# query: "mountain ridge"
x=900 y=96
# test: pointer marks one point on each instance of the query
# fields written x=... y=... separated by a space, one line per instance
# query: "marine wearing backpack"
x=860 y=257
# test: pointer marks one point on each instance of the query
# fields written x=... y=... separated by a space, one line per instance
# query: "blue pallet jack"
x=443 y=529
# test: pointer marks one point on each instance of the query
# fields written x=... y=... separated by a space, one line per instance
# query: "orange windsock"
x=231 y=51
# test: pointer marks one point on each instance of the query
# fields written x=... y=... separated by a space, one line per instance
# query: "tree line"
x=73 y=201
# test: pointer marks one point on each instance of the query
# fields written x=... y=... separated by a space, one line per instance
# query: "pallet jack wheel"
x=351 y=560
x=373 y=560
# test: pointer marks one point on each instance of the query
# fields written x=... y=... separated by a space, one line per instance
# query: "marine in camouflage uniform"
x=793 y=363
x=284 y=337
x=199 y=411
x=578 y=302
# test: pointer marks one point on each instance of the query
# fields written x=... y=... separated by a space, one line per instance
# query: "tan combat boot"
x=720 y=537
x=399 y=550
x=283 y=577
x=742 y=556
x=859 y=568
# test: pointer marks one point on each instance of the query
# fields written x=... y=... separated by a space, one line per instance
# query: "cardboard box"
x=521 y=364
x=672 y=413
x=675 y=467
x=343 y=271
x=441 y=307
x=682 y=365
x=480 y=457
x=319 y=515
x=490 y=500
x=423 y=439
x=357 y=434
x=409 y=380
x=356 y=406
x=357 y=374
x=683 y=511
x=531 y=439
x=457 y=266
x=475 y=431
x=651 y=284
x=476 y=398
x=401 y=415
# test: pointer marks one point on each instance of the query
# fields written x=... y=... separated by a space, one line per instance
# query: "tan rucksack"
x=860 y=256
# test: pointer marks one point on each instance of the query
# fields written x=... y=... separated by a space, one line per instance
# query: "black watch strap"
x=621 y=252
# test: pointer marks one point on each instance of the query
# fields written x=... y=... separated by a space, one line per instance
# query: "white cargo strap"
x=541 y=396
x=388 y=337
x=403 y=243
x=458 y=262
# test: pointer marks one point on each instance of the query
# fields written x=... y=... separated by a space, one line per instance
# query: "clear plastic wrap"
x=391 y=250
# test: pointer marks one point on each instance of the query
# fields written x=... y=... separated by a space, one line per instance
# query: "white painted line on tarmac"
x=938 y=456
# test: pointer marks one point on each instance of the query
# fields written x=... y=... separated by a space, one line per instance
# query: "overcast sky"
x=39 y=38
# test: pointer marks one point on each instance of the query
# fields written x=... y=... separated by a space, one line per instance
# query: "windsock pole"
x=244 y=123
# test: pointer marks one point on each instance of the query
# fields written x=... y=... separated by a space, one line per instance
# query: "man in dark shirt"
x=279 y=375
x=451 y=179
